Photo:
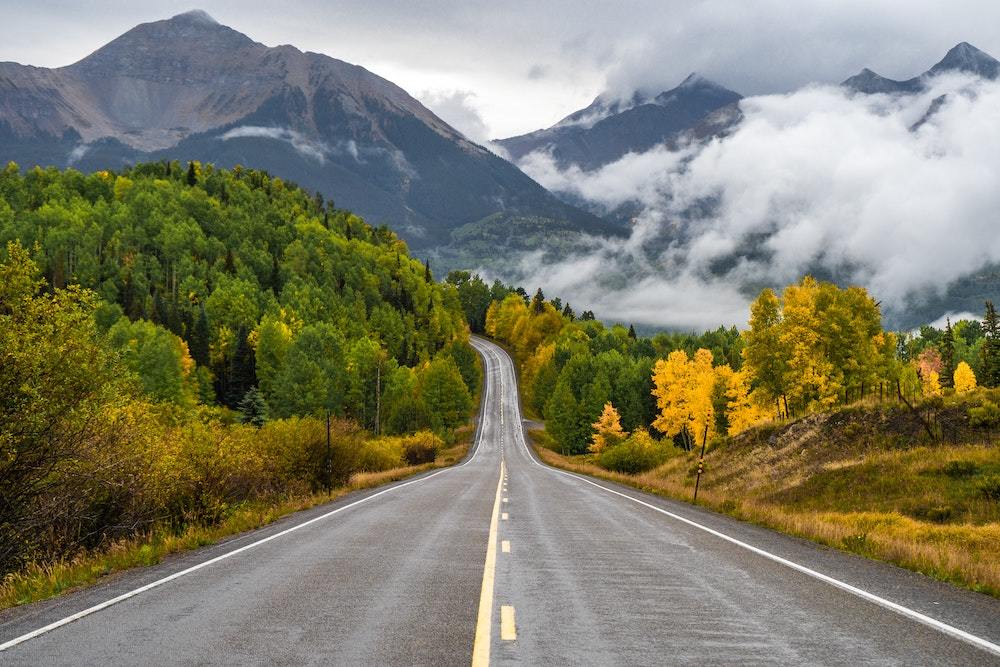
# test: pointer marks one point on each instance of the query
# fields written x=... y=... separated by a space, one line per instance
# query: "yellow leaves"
x=608 y=430
x=965 y=379
x=931 y=383
x=744 y=408
x=122 y=185
x=683 y=389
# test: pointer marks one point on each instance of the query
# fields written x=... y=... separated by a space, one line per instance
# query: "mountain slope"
x=608 y=129
x=189 y=88
x=962 y=58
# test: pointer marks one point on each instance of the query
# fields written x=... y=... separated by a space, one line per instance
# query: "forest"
x=175 y=337
x=630 y=401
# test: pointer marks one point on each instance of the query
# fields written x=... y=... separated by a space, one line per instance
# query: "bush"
x=381 y=454
x=986 y=415
x=960 y=469
x=989 y=488
x=637 y=454
x=421 y=448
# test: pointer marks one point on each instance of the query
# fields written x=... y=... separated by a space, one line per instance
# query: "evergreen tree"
x=568 y=313
x=198 y=342
x=538 y=302
x=253 y=409
x=990 y=353
x=192 y=175
x=587 y=316
x=242 y=370
x=631 y=332
x=948 y=355
x=428 y=278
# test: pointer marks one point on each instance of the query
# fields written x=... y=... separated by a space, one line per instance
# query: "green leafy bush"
x=636 y=454
x=989 y=488
x=986 y=415
x=960 y=469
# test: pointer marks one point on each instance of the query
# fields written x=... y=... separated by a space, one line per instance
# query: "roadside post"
x=701 y=462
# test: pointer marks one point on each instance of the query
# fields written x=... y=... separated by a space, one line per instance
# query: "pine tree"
x=568 y=313
x=947 y=355
x=242 y=370
x=253 y=408
x=631 y=331
x=428 y=278
x=199 y=339
x=192 y=175
x=990 y=354
x=538 y=302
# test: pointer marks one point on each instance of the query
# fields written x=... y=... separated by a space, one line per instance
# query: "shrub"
x=960 y=469
x=381 y=454
x=989 y=488
x=637 y=454
x=421 y=448
x=986 y=415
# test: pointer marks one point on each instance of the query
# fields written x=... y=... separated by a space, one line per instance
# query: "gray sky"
x=496 y=68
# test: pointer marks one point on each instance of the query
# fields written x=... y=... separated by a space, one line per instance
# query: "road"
x=503 y=560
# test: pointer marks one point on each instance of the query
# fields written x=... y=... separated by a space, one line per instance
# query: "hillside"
x=188 y=88
x=866 y=479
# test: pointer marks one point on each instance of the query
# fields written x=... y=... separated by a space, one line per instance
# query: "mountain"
x=188 y=88
x=610 y=127
x=962 y=58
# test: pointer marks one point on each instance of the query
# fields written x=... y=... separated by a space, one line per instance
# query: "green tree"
x=561 y=416
x=948 y=355
x=253 y=408
x=990 y=352
x=444 y=393
x=313 y=375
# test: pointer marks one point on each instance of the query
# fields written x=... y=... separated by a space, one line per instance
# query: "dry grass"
x=40 y=582
x=915 y=507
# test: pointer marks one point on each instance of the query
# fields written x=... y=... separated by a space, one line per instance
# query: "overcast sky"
x=496 y=68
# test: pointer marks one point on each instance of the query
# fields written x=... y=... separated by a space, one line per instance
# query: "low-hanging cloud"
x=868 y=189
x=303 y=145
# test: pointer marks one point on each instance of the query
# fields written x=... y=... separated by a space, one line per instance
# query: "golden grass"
x=40 y=582
x=965 y=552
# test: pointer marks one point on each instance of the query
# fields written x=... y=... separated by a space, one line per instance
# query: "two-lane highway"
x=519 y=562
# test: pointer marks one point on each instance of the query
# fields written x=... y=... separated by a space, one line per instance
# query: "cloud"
x=311 y=149
x=457 y=108
x=818 y=180
x=77 y=154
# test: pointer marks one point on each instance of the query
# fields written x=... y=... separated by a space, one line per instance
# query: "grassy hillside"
x=868 y=478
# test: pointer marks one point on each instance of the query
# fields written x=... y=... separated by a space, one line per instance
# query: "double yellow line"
x=484 y=623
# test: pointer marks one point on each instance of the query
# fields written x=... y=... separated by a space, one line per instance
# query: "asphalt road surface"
x=503 y=560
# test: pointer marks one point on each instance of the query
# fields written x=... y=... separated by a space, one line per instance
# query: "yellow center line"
x=508 y=629
x=484 y=623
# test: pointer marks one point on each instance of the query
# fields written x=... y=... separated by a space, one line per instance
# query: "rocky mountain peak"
x=964 y=57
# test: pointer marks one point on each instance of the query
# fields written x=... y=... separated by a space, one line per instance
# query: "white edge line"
x=951 y=630
x=194 y=568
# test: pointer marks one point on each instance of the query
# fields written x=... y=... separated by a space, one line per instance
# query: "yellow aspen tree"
x=931 y=383
x=743 y=408
x=701 y=378
x=965 y=379
x=670 y=387
x=608 y=430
